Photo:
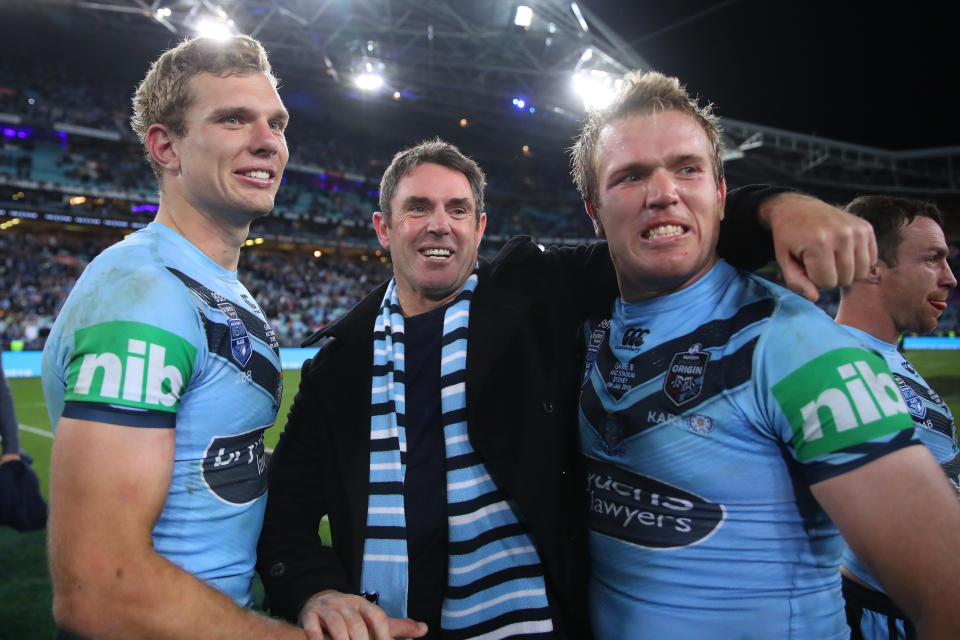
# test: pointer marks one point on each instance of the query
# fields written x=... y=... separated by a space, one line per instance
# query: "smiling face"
x=914 y=292
x=659 y=205
x=433 y=236
x=232 y=157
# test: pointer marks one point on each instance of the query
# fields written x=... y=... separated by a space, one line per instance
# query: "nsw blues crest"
x=914 y=402
x=241 y=348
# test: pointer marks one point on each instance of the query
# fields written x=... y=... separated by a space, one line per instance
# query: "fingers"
x=795 y=278
x=406 y=628
x=349 y=617
x=819 y=246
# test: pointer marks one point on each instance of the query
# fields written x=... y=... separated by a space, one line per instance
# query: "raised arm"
x=901 y=516
x=108 y=487
x=817 y=245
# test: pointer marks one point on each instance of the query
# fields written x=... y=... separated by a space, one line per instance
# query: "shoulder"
x=126 y=292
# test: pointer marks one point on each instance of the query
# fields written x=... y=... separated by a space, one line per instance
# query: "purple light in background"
x=9 y=132
x=143 y=207
x=336 y=187
x=63 y=139
x=21 y=134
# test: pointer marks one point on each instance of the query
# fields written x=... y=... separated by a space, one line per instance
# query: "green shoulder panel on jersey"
x=842 y=398
x=130 y=364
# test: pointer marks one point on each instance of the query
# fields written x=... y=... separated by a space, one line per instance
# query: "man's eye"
x=231 y=119
x=276 y=125
x=688 y=170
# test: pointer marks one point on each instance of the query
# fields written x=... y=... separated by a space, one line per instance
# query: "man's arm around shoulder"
x=108 y=487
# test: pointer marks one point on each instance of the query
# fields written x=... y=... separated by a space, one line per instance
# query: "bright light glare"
x=213 y=29
x=524 y=16
x=368 y=81
x=596 y=88
x=163 y=12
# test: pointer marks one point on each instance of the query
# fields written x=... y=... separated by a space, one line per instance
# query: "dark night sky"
x=883 y=74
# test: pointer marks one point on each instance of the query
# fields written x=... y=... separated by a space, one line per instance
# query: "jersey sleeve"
x=832 y=403
x=128 y=347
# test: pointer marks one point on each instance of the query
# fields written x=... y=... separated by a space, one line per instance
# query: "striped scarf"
x=495 y=587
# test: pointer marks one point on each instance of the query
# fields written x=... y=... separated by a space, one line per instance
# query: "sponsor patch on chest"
x=647 y=512
x=234 y=467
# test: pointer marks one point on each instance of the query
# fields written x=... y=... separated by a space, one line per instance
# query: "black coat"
x=525 y=362
x=524 y=367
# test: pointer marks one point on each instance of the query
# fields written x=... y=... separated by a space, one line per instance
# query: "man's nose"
x=264 y=138
x=439 y=221
x=661 y=189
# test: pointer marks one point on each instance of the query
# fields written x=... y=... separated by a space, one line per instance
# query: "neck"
x=218 y=239
x=868 y=317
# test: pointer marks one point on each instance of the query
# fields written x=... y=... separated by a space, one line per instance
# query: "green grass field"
x=25 y=585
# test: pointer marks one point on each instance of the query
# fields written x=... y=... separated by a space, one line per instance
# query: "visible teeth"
x=265 y=175
x=437 y=253
x=664 y=231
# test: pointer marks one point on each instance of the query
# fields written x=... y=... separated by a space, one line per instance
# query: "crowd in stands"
x=298 y=292
x=329 y=192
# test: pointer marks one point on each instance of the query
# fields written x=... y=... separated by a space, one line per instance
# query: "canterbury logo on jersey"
x=131 y=364
x=842 y=398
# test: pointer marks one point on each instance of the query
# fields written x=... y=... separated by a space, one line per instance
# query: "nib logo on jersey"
x=842 y=398
x=130 y=364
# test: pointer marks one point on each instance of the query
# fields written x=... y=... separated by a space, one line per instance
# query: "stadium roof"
x=452 y=59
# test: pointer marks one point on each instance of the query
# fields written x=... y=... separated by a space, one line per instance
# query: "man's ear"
x=722 y=196
x=595 y=219
x=876 y=273
x=159 y=143
x=380 y=226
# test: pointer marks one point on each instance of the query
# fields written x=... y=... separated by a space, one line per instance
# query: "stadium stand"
x=70 y=169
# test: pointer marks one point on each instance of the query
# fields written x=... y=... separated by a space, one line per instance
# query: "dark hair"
x=434 y=151
x=889 y=215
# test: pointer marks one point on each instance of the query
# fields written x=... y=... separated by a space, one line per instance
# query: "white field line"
x=39 y=432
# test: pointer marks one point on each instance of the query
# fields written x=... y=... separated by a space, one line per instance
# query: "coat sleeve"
x=292 y=560
x=744 y=242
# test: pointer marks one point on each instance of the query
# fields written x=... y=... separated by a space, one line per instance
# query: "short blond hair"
x=642 y=93
x=164 y=97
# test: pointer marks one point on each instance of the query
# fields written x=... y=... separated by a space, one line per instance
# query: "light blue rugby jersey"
x=157 y=335
x=705 y=416
x=936 y=428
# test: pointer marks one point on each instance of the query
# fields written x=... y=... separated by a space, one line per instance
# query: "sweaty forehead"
x=650 y=135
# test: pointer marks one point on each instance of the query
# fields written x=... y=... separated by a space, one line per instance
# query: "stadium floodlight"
x=579 y=16
x=524 y=16
x=163 y=12
x=368 y=74
x=217 y=29
x=519 y=103
x=596 y=88
x=368 y=81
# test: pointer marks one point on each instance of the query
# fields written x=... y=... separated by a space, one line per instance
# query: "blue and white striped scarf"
x=495 y=587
